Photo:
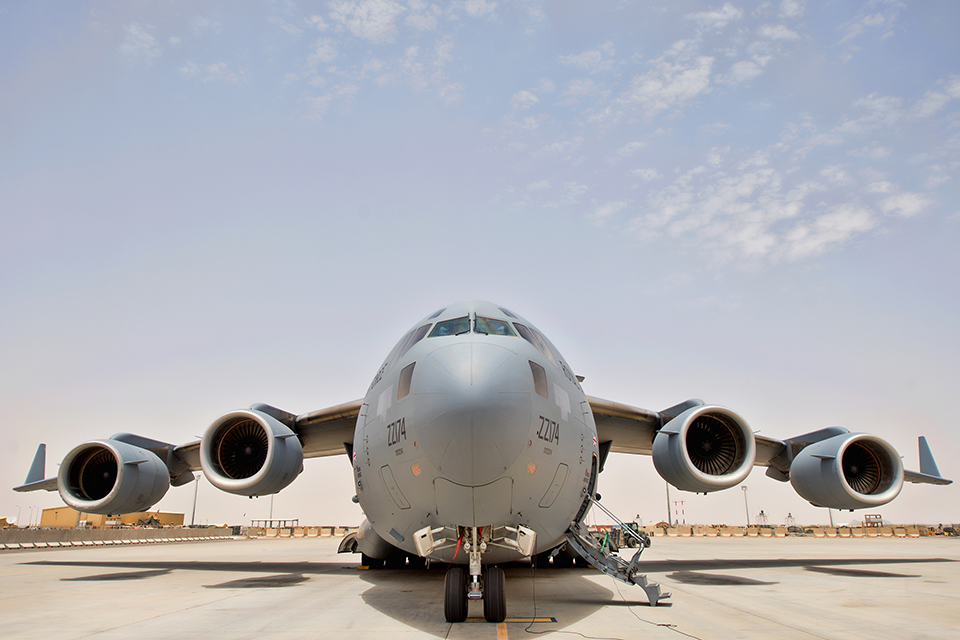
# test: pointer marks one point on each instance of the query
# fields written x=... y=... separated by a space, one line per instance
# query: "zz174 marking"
x=549 y=430
x=396 y=431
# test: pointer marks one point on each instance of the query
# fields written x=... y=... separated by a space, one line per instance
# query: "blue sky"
x=208 y=204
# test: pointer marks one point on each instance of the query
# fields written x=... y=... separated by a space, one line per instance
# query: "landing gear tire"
x=455 y=594
x=494 y=598
x=370 y=563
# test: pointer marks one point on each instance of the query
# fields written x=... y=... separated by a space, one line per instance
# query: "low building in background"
x=69 y=518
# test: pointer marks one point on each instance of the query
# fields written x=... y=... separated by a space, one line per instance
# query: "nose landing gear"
x=460 y=588
x=462 y=584
x=458 y=591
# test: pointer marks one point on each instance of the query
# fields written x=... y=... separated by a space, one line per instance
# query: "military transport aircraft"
x=475 y=445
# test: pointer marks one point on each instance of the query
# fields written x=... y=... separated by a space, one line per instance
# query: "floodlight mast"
x=745 y=507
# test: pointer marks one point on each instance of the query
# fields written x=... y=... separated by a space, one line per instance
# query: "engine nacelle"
x=706 y=448
x=849 y=471
x=250 y=453
x=112 y=477
x=371 y=544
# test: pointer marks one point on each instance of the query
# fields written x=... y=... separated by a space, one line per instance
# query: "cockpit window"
x=493 y=327
x=509 y=313
x=417 y=336
x=437 y=313
x=533 y=337
x=453 y=327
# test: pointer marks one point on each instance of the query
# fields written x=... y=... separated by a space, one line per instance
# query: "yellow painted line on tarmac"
x=501 y=631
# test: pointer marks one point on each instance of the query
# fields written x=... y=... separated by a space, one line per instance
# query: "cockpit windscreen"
x=493 y=327
x=453 y=327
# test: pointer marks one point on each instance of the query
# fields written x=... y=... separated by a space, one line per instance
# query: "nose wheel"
x=455 y=595
x=461 y=585
x=494 y=598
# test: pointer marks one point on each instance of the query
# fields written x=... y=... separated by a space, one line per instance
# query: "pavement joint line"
x=539 y=619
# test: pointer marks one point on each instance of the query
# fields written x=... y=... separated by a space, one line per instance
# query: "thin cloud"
x=139 y=45
x=371 y=20
x=717 y=18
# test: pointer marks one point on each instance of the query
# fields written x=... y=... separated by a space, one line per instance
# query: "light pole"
x=669 y=519
x=18 y=514
x=745 y=507
x=30 y=522
x=196 y=488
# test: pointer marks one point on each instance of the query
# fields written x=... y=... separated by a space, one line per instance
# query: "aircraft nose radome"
x=474 y=410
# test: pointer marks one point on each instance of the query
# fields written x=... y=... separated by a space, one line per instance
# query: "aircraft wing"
x=325 y=432
x=622 y=428
x=631 y=429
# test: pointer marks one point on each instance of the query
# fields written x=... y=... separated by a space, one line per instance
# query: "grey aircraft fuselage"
x=474 y=420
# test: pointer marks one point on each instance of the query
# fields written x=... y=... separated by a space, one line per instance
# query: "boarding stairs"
x=598 y=554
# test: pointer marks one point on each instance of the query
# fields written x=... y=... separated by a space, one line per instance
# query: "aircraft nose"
x=474 y=410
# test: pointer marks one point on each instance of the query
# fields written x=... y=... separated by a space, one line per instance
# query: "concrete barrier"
x=843 y=532
x=59 y=538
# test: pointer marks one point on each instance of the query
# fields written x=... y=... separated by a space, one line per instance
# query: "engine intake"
x=849 y=471
x=250 y=453
x=112 y=477
x=705 y=448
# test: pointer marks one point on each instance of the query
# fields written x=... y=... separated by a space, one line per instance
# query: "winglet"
x=928 y=466
x=39 y=465
x=35 y=480
x=929 y=473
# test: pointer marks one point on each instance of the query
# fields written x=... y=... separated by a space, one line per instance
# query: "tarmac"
x=300 y=588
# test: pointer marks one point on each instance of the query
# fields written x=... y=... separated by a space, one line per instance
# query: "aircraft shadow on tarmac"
x=414 y=597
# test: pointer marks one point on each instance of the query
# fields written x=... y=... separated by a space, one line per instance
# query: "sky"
x=204 y=205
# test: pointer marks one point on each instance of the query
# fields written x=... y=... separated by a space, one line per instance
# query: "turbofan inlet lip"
x=748 y=458
x=66 y=488
x=212 y=469
x=896 y=481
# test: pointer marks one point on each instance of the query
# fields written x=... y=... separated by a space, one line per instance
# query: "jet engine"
x=849 y=471
x=112 y=477
x=705 y=448
x=250 y=453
